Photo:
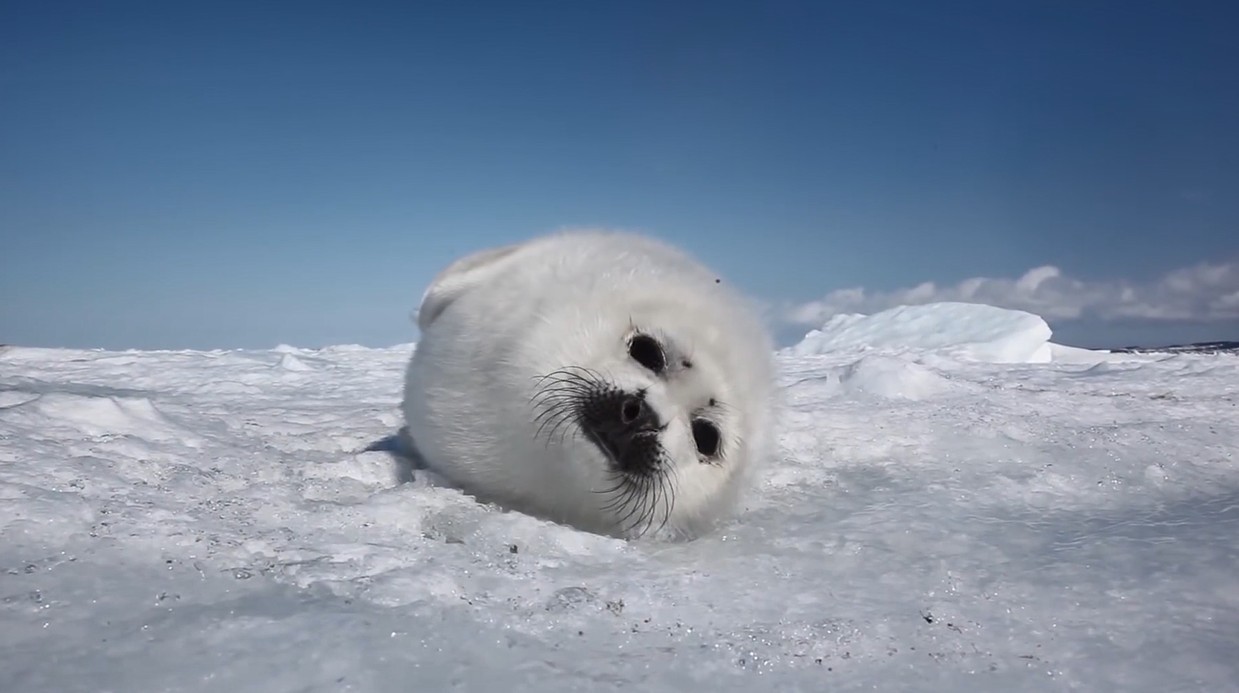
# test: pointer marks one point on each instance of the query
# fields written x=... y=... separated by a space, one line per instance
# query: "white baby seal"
x=603 y=380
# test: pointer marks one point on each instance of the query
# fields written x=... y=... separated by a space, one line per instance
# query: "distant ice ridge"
x=965 y=331
x=910 y=352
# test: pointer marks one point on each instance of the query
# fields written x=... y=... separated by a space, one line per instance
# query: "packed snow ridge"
x=953 y=505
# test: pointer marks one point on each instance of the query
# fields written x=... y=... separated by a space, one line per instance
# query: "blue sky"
x=247 y=174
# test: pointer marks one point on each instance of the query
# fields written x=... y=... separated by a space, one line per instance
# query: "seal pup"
x=600 y=379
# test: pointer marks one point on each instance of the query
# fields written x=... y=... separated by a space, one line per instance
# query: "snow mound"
x=968 y=331
x=291 y=363
x=878 y=376
x=102 y=416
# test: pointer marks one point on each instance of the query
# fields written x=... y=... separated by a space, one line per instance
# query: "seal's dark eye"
x=705 y=434
x=645 y=350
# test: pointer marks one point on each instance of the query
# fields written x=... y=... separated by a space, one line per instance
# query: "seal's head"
x=619 y=385
x=658 y=418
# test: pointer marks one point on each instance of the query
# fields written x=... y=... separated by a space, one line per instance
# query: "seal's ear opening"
x=458 y=278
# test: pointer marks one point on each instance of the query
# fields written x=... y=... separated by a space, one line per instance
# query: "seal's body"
x=599 y=379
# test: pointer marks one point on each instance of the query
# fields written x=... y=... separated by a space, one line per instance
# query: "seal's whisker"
x=652 y=507
x=666 y=495
x=668 y=505
x=564 y=398
x=673 y=477
x=575 y=368
x=549 y=426
x=634 y=493
x=563 y=431
x=565 y=378
x=558 y=397
x=557 y=403
x=648 y=489
x=559 y=424
x=552 y=387
x=621 y=485
x=548 y=418
x=614 y=500
x=566 y=375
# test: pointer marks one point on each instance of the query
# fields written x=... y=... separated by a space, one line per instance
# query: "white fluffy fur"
x=493 y=322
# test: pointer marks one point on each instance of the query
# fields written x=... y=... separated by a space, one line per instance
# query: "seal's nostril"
x=630 y=410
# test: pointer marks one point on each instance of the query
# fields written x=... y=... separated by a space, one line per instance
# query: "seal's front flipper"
x=400 y=446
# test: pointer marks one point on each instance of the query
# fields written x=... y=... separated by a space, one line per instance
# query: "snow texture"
x=934 y=520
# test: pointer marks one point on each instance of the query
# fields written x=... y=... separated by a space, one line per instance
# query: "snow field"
x=956 y=502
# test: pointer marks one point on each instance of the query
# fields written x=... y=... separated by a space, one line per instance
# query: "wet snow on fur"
x=937 y=518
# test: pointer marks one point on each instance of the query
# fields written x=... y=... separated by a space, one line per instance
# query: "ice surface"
x=933 y=521
x=968 y=331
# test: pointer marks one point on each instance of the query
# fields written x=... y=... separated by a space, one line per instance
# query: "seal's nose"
x=632 y=409
x=626 y=427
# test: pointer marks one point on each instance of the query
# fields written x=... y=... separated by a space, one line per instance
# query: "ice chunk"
x=969 y=331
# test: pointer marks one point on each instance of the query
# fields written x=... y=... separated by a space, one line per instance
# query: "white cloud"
x=1203 y=292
